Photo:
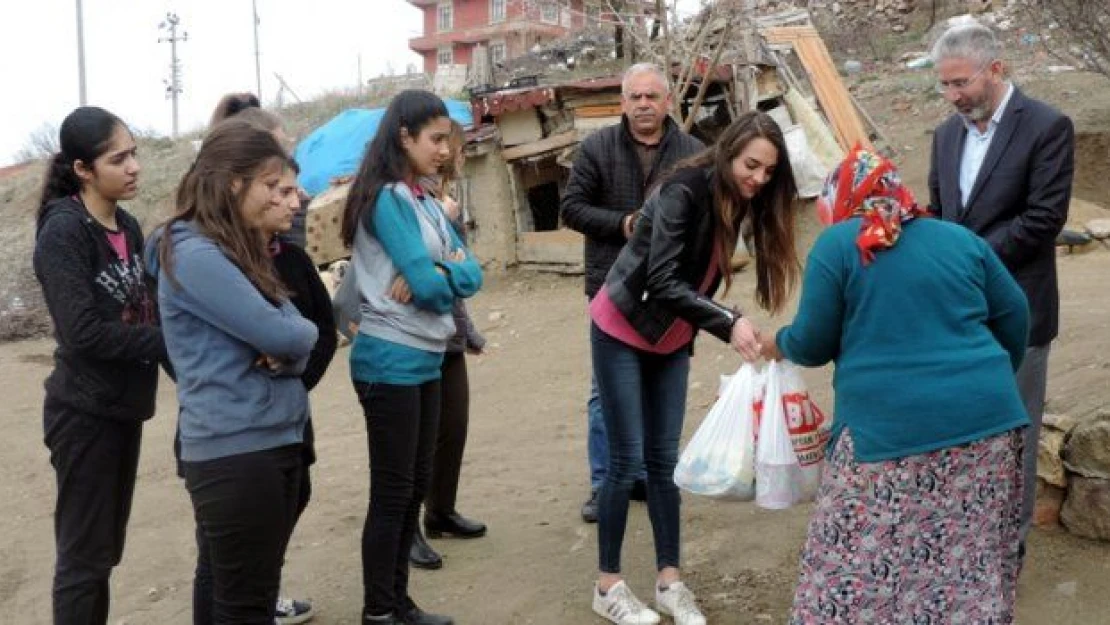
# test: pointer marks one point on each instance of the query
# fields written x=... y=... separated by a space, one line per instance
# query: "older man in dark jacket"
x=615 y=168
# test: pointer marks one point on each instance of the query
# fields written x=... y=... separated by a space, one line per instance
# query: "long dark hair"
x=235 y=150
x=771 y=210
x=85 y=135
x=385 y=160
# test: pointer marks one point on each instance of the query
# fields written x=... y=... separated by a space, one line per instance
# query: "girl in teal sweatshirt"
x=409 y=267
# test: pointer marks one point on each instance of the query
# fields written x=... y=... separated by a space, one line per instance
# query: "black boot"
x=421 y=554
x=387 y=619
x=413 y=615
x=453 y=524
x=589 y=509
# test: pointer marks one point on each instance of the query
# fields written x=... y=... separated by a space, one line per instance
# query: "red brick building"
x=507 y=28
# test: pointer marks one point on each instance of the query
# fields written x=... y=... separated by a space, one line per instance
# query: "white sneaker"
x=678 y=601
x=622 y=607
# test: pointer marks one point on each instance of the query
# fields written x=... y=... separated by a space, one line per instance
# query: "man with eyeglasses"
x=1002 y=166
x=614 y=169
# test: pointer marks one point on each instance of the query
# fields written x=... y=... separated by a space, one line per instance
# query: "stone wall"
x=1073 y=476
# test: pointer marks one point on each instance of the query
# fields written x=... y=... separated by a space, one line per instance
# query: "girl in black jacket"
x=656 y=298
x=88 y=260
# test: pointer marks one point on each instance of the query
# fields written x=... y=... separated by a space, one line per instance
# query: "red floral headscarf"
x=867 y=185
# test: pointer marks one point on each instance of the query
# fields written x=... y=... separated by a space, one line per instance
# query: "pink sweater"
x=611 y=321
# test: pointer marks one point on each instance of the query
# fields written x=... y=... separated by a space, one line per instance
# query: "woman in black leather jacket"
x=656 y=297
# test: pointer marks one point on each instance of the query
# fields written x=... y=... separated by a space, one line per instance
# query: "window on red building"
x=497 y=10
x=593 y=16
x=497 y=52
x=445 y=56
x=446 y=15
x=549 y=12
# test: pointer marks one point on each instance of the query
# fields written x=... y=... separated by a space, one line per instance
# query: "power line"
x=173 y=83
x=81 y=92
x=257 y=53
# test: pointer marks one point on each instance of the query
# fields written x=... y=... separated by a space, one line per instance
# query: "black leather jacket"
x=607 y=183
x=655 y=279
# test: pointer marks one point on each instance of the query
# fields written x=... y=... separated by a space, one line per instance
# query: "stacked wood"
x=835 y=100
x=323 y=221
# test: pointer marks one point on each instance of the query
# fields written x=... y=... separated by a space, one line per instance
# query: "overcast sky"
x=314 y=44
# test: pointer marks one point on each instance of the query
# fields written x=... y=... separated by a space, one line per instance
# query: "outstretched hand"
x=769 y=349
x=745 y=340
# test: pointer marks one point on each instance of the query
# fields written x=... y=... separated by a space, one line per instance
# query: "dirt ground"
x=524 y=474
x=525 y=470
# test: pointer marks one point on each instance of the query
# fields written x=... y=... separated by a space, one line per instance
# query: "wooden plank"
x=554 y=142
x=827 y=86
x=554 y=247
x=602 y=110
x=591 y=99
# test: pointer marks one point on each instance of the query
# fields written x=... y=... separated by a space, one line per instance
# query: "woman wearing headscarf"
x=917 y=517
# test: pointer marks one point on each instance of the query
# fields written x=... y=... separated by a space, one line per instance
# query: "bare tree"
x=1079 y=31
x=41 y=144
x=696 y=45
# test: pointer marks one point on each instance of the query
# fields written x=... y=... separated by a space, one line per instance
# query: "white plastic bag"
x=808 y=427
x=790 y=452
x=719 y=461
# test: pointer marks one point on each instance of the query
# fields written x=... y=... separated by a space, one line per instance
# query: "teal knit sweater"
x=925 y=339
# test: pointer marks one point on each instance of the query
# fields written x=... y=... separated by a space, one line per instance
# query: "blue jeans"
x=596 y=445
x=643 y=400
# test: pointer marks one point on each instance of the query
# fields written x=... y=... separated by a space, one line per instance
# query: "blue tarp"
x=336 y=148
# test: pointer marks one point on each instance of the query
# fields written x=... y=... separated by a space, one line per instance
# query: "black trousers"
x=245 y=508
x=95 y=461
x=401 y=424
x=202 y=579
x=454 y=420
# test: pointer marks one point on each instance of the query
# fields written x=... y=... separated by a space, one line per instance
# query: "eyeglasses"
x=959 y=84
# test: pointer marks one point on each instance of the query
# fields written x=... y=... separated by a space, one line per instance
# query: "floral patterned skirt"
x=926 y=539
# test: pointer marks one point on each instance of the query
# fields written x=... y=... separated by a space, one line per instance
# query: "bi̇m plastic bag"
x=719 y=461
x=793 y=433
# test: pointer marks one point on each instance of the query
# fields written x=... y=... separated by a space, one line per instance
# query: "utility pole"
x=173 y=84
x=257 y=53
x=82 y=95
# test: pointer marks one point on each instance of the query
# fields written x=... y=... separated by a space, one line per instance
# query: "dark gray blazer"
x=1019 y=202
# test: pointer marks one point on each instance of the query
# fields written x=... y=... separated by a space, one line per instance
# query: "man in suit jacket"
x=1002 y=166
